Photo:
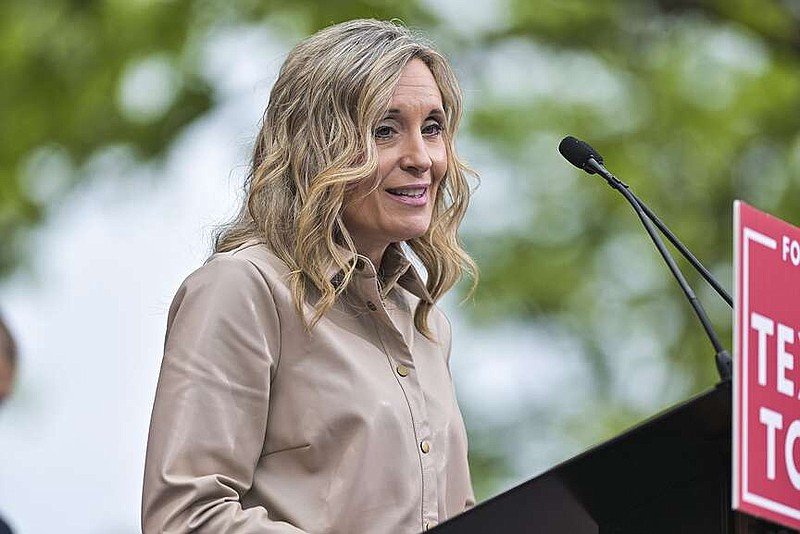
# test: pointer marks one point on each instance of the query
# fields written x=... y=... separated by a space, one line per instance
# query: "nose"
x=416 y=158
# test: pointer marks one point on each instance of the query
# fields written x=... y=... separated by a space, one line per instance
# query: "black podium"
x=668 y=475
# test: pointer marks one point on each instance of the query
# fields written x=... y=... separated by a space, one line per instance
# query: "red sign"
x=766 y=378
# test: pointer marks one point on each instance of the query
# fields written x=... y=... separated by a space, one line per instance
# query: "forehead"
x=417 y=85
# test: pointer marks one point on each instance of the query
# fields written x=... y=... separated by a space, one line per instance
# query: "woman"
x=305 y=383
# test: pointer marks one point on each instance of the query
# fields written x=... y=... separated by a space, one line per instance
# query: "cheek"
x=439 y=170
x=439 y=159
x=357 y=194
x=439 y=167
x=359 y=203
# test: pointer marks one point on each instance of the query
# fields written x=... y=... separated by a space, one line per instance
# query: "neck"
x=375 y=255
x=373 y=251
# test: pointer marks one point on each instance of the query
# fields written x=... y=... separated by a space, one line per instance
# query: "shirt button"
x=402 y=370
x=425 y=447
x=429 y=525
x=371 y=305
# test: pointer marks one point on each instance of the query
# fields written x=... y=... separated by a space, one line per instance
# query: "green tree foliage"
x=62 y=64
x=693 y=102
x=72 y=76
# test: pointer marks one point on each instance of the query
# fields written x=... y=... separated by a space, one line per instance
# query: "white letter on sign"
x=790 y=250
x=774 y=421
x=791 y=436
x=785 y=359
x=765 y=328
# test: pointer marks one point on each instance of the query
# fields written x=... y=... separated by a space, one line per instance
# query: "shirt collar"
x=396 y=269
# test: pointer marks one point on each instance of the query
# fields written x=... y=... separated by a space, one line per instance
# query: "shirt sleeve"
x=210 y=413
x=447 y=329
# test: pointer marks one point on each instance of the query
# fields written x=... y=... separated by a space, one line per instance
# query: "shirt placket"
x=400 y=359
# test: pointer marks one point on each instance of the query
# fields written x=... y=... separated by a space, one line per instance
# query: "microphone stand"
x=723 y=358
x=681 y=247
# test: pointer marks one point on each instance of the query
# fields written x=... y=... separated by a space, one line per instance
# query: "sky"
x=89 y=315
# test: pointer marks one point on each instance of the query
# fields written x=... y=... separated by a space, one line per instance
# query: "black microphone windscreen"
x=573 y=151
x=578 y=153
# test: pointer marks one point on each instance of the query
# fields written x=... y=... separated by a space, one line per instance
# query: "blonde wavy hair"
x=316 y=143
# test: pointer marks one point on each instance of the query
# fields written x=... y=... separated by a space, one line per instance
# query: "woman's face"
x=412 y=159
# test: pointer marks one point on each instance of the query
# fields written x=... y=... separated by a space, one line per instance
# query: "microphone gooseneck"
x=583 y=156
x=580 y=153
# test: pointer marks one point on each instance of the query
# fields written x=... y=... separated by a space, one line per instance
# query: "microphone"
x=579 y=153
x=583 y=156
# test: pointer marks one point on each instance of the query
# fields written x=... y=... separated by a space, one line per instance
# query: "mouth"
x=409 y=192
x=411 y=195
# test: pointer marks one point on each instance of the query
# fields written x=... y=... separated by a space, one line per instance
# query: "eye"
x=432 y=129
x=384 y=132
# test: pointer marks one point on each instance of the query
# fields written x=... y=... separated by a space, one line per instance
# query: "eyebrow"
x=435 y=112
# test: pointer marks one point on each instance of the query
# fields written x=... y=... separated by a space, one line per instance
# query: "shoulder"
x=251 y=265
x=246 y=274
x=230 y=295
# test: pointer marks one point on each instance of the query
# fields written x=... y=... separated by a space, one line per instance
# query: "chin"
x=413 y=231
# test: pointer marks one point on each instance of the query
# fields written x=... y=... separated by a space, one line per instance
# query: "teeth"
x=415 y=193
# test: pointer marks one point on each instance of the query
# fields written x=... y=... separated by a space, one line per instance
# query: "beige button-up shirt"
x=261 y=427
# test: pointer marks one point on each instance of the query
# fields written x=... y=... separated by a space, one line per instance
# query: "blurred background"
x=125 y=131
